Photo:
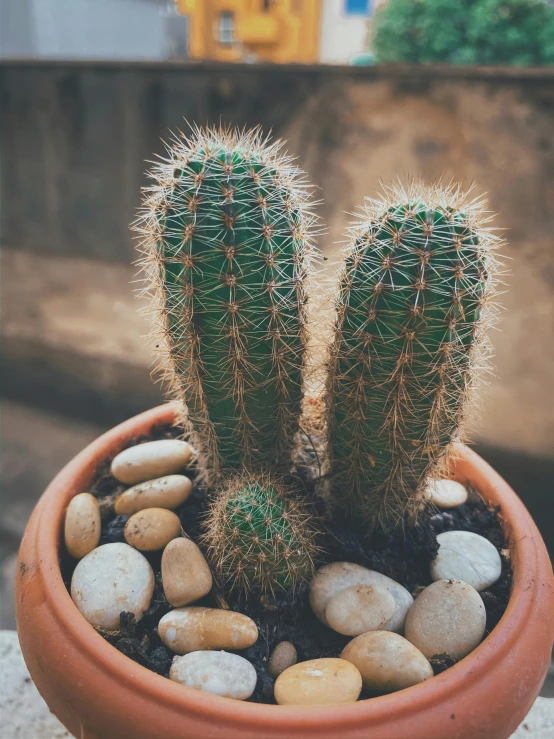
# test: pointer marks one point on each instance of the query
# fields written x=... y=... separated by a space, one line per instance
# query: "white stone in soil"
x=111 y=579
x=220 y=673
x=446 y=493
x=337 y=576
x=466 y=556
x=149 y=460
x=448 y=617
x=359 y=608
x=387 y=661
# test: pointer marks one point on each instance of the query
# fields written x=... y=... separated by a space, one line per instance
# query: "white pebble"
x=448 y=617
x=387 y=661
x=150 y=460
x=219 y=673
x=359 y=608
x=466 y=556
x=445 y=493
x=337 y=576
x=163 y=492
x=82 y=526
x=111 y=579
x=190 y=629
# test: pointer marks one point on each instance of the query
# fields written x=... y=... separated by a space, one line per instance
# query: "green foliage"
x=258 y=538
x=519 y=32
x=226 y=244
x=415 y=297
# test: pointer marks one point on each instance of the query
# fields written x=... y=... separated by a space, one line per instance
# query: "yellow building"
x=258 y=30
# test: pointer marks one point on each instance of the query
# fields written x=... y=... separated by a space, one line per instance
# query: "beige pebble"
x=445 y=493
x=318 y=682
x=466 y=556
x=219 y=673
x=387 y=661
x=186 y=576
x=150 y=460
x=164 y=492
x=283 y=656
x=152 y=529
x=191 y=629
x=111 y=579
x=337 y=576
x=448 y=617
x=82 y=526
x=359 y=608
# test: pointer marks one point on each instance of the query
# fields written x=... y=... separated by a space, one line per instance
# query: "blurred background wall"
x=74 y=137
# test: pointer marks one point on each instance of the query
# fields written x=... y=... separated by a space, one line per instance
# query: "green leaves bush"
x=518 y=32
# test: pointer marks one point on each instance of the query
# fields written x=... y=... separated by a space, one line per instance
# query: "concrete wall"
x=75 y=137
x=74 y=29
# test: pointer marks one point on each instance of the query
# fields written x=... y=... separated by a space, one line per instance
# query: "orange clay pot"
x=98 y=693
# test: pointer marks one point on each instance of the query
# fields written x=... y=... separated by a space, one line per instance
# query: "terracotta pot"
x=98 y=693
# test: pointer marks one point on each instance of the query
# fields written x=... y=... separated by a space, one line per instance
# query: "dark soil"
x=404 y=556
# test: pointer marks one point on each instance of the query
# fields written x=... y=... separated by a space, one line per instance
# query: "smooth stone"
x=466 y=556
x=149 y=460
x=318 y=682
x=387 y=662
x=152 y=529
x=337 y=576
x=448 y=617
x=186 y=630
x=111 y=579
x=446 y=493
x=219 y=673
x=359 y=608
x=82 y=527
x=283 y=656
x=186 y=576
x=164 y=492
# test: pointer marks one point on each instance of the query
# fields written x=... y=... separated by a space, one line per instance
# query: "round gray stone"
x=466 y=556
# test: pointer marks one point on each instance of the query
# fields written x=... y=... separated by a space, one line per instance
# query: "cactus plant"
x=226 y=239
x=258 y=537
x=415 y=298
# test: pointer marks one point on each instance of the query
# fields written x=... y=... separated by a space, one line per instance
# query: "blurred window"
x=356 y=7
x=226 y=28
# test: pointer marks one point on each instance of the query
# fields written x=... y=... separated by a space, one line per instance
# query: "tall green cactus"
x=258 y=537
x=226 y=242
x=415 y=299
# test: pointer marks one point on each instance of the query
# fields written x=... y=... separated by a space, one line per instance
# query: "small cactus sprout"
x=227 y=245
x=258 y=538
x=415 y=299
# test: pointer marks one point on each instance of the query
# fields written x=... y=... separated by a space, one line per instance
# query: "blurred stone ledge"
x=26 y=716
x=73 y=338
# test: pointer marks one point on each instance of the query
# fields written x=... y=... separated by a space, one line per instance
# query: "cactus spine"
x=226 y=242
x=258 y=538
x=415 y=299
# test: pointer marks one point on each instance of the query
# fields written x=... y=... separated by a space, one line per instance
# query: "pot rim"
x=520 y=532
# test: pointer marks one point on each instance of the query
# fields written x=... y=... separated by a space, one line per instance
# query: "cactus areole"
x=415 y=299
x=226 y=244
